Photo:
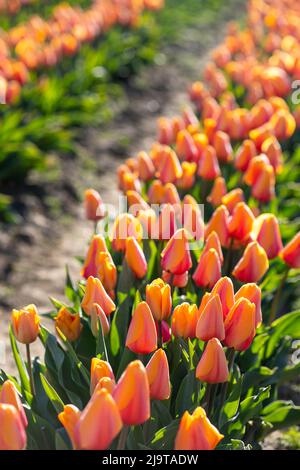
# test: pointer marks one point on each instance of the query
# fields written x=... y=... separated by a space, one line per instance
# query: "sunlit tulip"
x=106 y=272
x=213 y=241
x=241 y=223
x=263 y=188
x=100 y=369
x=98 y=315
x=253 y=264
x=142 y=337
x=12 y=431
x=201 y=142
x=231 y=199
x=245 y=153
x=196 y=432
x=96 y=294
x=145 y=166
x=185 y=146
x=291 y=252
x=165 y=131
x=218 y=191
x=135 y=202
x=107 y=383
x=26 y=324
x=208 y=166
x=94 y=206
x=271 y=147
x=224 y=289
x=210 y=323
x=125 y=226
x=169 y=168
x=158 y=376
x=187 y=179
x=171 y=195
x=184 y=320
x=90 y=265
x=240 y=325
x=10 y=396
x=176 y=280
x=156 y=192
x=128 y=180
x=68 y=323
x=158 y=297
x=212 y=367
x=283 y=123
x=192 y=218
x=219 y=223
x=253 y=293
x=69 y=419
x=132 y=394
x=135 y=258
x=176 y=257
x=223 y=146
x=267 y=233
x=208 y=270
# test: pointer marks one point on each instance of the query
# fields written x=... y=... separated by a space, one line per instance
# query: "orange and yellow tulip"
x=213 y=241
x=106 y=272
x=99 y=370
x=175 y=257
x=12 y=431
x=210 y=323
x=159 y=299
x=158 y=376
x=125 y=225
x=253 y=264
x=240 y=325
x=212 y=367
x=253 y=293
x=10 y=396
x=291 y=252
x=241 y=223
x=231 y=199
x=96 y=294
x=26 y=324
x=184 y=320
x=142 y=336
x=90 y=267
x=217 y=192
x=135 y=258
x=267 y=233
x=208 y=166
x=98 y=315
x=208 y=271
x=94 y=207
x=218 y=223
x=68 y=323
x=224 y=289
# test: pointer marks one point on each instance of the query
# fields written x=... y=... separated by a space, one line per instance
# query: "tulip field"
x=183 y=331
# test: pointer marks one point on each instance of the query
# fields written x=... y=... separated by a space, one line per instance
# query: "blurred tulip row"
x=13 y=6
x=177 y=337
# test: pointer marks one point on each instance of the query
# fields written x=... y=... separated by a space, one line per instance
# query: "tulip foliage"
x=182 y=338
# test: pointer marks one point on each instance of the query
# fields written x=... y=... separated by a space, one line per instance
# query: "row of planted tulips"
x=171 y=340
x=13 y=6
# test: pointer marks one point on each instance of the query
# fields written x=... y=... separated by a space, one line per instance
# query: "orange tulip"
x=223 y=146
x=176 y=280
x=244 y=155
x=196 y=432
x=106 y=272
x=260 y=176
x=208 y=166
x=94 y=207
x=185 y=146
x=218 y=191
x=135 y=258
x=107 y=383
x=167 y=222
x=212 y=367
x=271 y=147
x=267 y=233
x=169 y=169
x=176 y=256
x=145 y=166
x=187 y=179
x=201 y=142
x=96 y=294
x=241 y=223
x=253 y=293
x=12 y=432
x=135 y=202
x=69 y=419
x=98 y=315
x=165 y=132
x=171 y=195
x=159 y=299
x=291 y=252
x=213 y=241
x=210 y=323
x=156 y=192
x=192 y=219
x=68 y=323
x=158 y=376
x=125 y=226
x=132 y=394
x=224 y=288
x=208 y=271
x=10 y=396
x=283 y=123
x=99 y=370
x=142 y=337
x=90 y=265
x=128 y=180
x=253 y=264
x=219 y=223
x=231 y=199
x=184 y=320
x=26 y=324
x=240 y=325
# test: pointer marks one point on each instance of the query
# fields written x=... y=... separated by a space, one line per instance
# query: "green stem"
x=224 y=388
x=95 y=227
x=210 y=394
x=123 y=438
x=276 y=300
x=29 y=367
x=159 y=335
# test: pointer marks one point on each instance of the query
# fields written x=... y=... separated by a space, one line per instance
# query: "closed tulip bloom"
x=68 y=323
x=218 y=191
x=165 y=131
x=100 y=369
x=156 y=192
x=125 y=226
x=176 y=257
x=212 y=367
x=159 y=299
x=218 y=223
x=142 y=337
x=208 y=271
x=166 y=222
x=135 y=258
x=192 y=219
x=264 y=187
x=267 y=233
x=185 y=146
x=196 y=432
x=208 y=166
x=224 y=288
x=223 y=146
x=69 y=419
x=251 y=292
x=146 y=168
x=244 y=155
x=204 y=301
x=26 y=324
x=253 y=264
x=132 y=394
x=148 y=220
x=213 y=241
x=283 y=123
x=12 y=431
x=210 y=323
x=187 y=180
x=201 y=142
x=96 y=294
x=90 y=265
x=256 y=166
x=135 y=202
x=98 y=315
x=184 y=320
x=241 y=223
x=171 y=195
x=291 y=252
x=176 y=280
x=129 y=181
x=231 y=199
x=106 y=272
x=107 y=383
x=10 y=396
x=272 y=148
x=94 y=206
x=169 y=168
x=240 y=325
x=158 y=376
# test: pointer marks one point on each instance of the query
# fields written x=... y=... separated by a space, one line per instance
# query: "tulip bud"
x=165 y=131
x=241 y=223
x=26 y=324
x=187 y=180
x=135 y=258
x=260 y=176
x=185 y=146
x=253 y=293
x=96 y=294
x=68 y=323
x=184 y=320
x=231 y=199
x=208 y=271
x=97 y=314
x=223 y=146
x=271 y=147
x=171 y=195
x=253 y=264
x=132 y=394
x=145 y=166
x=218 y=191
x=156 y=192
x=94 y=207
x=158 y=376
x=169 y=169
x=208 y=166
x=135 y=202
x=10 y=396
x=224 y=288
x=12 y=432
x=196 y=432
x=201 y=142
x=212 y=367
x=240 y=324
x=244 y=155
x=267 y=233
x=99 y=369
x=90 y=265
x=210 y=323
x=142 y=337
x=213 y=241
x=128 y=180
x=107 y=383
x=291 y=252
x=125 y=226
x=159 y=299
x=218 y=223
x=106 y=272
x=176 y=256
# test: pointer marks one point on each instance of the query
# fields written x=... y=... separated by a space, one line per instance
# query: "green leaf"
x=164 y=438
x=287 y=325
x=282 y=414
x=119 y=326
x=101 y=345
x=188 y=393
x=74 y=358
x=231 y=406
x=19 y=362
x=52 y=395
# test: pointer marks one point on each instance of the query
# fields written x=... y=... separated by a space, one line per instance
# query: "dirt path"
x=33 y=257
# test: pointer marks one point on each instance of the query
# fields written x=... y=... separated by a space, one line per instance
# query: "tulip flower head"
x=26 y=324
x=240 y=325
x=12 y=432
x=224 y=289
x=125 y=225
x=99 y=370
x=253 y=264
x=90 y=267
x=135 y=258
x=94 y=207
x=10 y=396
x=158 y=376
x=96 y=294
x=251 y=292
x=212 y=367
x=158 y=297
x=208 y=271
x=210 y=324
x=98 y=315
x=291 y=252
x=267 y=233
x=184 y=320
x=176 y=256
x=68 y=323
x=142 y=336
